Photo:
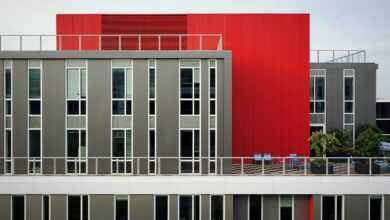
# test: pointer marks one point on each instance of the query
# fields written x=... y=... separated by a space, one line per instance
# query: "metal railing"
x=338 y=56
x=229 y=166
x=81 y=42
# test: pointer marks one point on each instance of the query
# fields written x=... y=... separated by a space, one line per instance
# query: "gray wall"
x=58 y=207
x=101 y=207
x=141 y=207
x=365 y=97
x=240 y=207
x=34 y=207
x=271 y=207
x=387 y=207
x=99 y=105
x=5 y=206
x=356 y=207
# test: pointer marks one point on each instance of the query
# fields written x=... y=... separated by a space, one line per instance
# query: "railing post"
x=120 y=42
x=100 y=41
x=370 y=165
x=96 y=166
x=333 y=57
x=327 y=164
x=200 y=42
x=159 y=42
x=79 y=42
x=242 y=166
x=137 y=166
x=179 y=41
x=284 y=165
x=139 y=42
x=0 y=44
x=40 y=42
x=349 y=166
x=221 y=165
x=20 y=42
x=159 y=165
x=305 y=166
x=55 y=166
x=318 y=56
x=262 y=166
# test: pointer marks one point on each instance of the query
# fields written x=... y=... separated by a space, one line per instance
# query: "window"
x=317 y=91
x=122 y=91
x=18 y=207
x=332 y=207
x=376 y=206
x=46 y=207
x=382 y=110
x=286 y=207
x=78 y=207
x=255 y=207
x=161 y=208
x=349 y=101
x=121 y=207
x=152 y=119
x=315 y=128
x=212 y=116
x=8 y=125
x=216 y=210
x=121 y=151
x=189 y=207
x=76 y=118
x=190 y=88
x=190 y=151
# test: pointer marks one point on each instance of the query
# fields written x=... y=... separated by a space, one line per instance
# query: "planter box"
x=363 y=167
x=319 y=167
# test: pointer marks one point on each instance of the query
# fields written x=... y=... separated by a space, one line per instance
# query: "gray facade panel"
x=205 y=203
x=301 y=207
x=204 y=112
x=240 y=207
x=334 y=98
x=229 y=206
x=225 y=104
x=1 y=112
x=99 y=103
x=101 y=207
x=365 y=82
x=167 y=110
x=387 y=207
x=34 y=207
x=58 y=207
x=140 y=112
x=53 y=113
x=271 y=207
x=5 y=206
x=19 y=99
x=173 y=200
x=141 y=207
x=356 y=207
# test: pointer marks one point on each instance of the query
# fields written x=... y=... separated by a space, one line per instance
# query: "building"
x=190 y=117
x=383 y=115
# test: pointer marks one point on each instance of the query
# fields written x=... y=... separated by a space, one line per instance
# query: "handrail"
x=253 y=166
x=99 y=42
x=338 y=56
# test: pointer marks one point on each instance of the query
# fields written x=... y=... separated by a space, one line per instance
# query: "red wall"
x=270 y=70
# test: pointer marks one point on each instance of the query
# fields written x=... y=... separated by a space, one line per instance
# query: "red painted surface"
x=270 y=70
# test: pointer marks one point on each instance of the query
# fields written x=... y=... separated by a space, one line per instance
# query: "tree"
x=368 y=141
x=324 y=144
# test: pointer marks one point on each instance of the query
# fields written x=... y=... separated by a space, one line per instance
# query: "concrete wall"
x=99 y=109
x=365 y=97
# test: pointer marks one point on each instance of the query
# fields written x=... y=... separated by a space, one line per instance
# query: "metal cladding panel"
x=270 y=79
x=71 y=24
x=270 y=70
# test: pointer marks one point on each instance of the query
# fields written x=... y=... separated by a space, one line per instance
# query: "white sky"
x=335 y=24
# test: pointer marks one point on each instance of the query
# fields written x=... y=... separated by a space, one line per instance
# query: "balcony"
x=338 y=56
x=110 y=42
x=176 y=166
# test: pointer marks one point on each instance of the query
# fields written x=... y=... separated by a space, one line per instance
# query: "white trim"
x=315 y=75
x=12 y=204
x=152 y=65
x=215 y=116
x=79 y=161
x=382 y=198
x=10 y=116
x=127 y=67
x=353 y=101
x=279 y=211
x=193 y=99
x=128 y=204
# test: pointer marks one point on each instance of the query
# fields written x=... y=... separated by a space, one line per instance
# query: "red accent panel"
x=270 y=79
x=270 y=68
x=78 y=24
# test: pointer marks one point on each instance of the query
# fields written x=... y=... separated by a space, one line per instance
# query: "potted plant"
x=322 y=145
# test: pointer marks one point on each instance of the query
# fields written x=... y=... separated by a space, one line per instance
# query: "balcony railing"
x=100 y=42
x=338 y=56
x=219 y=166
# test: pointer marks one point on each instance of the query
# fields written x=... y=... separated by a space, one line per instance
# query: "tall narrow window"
x=349 y=101
x=18 y=207
x=328 y=208
x=255 y=203
x=46 y=207
x=190 y=122
x=189 y=207
x=317 y=99
x=152 y=119
x=340 y=207
x=121 y=207
x=8 y=124
x=376 y=208
x=216 y=209
x=286 y=207
x=121 y=118
x=78 y=207
x=76 y=116
x=161 y=208
x=212 y=116
x=34 y=116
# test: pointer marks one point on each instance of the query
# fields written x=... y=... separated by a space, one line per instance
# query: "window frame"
x=152 y=160
x=43 y=207
x=81 y=205
x=353 y=101
x=154 y=205
x=335 y=206
x=382 y=198
x=192 y=205
x=223 y=205
x=12 y=206
x=280 y=207
x=212 y=160
x=128 y=204
x=8 y=161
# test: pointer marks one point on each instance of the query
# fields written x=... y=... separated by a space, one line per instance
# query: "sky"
x=334 y=24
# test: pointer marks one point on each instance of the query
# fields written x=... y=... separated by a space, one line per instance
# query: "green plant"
x=368 y=141
x=345 y=137
x=324 y=144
